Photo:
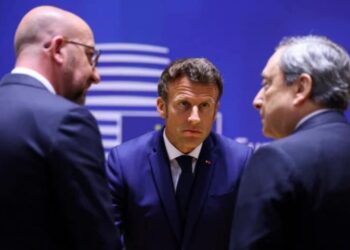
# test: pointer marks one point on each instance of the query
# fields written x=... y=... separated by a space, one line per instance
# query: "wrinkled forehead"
x=186 y=89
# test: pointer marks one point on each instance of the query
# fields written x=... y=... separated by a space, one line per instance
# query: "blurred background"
x=138 y=38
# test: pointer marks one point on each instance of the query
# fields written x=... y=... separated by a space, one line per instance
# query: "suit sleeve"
x=79 y=181
x=264 y=209
x=116 y=187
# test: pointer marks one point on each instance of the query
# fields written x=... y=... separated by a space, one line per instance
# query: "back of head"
x=197 y=70
x=59 y=46
x=41 y=24
x=325 y=62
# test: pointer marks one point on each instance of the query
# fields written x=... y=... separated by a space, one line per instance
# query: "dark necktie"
x=184 y=185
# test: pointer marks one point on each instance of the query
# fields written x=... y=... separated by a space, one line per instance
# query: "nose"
x=258 y=100
x=194 y=116
x=95 y=76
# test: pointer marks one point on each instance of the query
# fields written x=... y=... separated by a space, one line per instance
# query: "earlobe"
x=303 y=89
x=161 y=107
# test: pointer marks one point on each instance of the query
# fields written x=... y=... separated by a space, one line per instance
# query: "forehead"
x=272 y=66
x=183 y=87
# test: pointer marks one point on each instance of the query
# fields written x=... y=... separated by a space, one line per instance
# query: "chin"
x=194 y=142
x=80 y=100
x=266 y=133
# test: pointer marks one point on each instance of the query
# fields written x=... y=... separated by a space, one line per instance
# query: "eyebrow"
x=265 y=79
x=186 y=98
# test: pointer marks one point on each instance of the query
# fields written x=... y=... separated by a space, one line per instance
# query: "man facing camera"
x=295 y=191
x=176 y=188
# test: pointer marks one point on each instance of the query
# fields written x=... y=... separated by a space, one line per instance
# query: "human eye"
x=90 y=56
x=205 y=105
x=182 y=105
x=265 y=85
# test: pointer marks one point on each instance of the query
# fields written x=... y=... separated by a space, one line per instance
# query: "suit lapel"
x=160 y=166
x=204 y=171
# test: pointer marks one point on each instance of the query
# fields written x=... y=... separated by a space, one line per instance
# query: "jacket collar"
x=160 y=166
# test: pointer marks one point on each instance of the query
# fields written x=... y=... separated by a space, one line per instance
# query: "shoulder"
x=143 y=143
x=228 y=145
x=60 y=112
x=270 y=170
x=131 y=157
x=67 y=122
x=278 y=160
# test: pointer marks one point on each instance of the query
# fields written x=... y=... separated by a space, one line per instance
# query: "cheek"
x=276 y=110
x=211 y=116
x=271 y=100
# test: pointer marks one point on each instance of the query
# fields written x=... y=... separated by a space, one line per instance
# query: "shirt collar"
x=36 y=75
x=307 y=117
x=174 y=152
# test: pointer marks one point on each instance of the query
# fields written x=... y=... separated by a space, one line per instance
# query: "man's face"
x=79 y=73
x=274 y=100
x=189 y=113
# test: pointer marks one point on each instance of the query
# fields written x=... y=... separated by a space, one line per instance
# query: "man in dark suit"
x=53 y=187
x=159 y=201
x=295 y=191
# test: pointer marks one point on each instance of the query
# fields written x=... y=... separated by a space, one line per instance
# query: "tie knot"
x=185 y=162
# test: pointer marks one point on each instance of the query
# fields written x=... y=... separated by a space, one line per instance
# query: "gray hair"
x=197 y=70
x=327 y=64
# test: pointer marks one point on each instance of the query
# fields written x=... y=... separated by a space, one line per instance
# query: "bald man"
x=53 y=189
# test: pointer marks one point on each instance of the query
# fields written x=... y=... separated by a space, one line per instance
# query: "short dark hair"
x=197 y=70
x=327 y=63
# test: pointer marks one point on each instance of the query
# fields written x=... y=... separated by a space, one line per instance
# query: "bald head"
x=43 y=23
x=59 y=46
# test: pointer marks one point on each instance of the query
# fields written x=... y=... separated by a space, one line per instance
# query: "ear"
x=54 y=47
x=303 y=88
x=161 y=107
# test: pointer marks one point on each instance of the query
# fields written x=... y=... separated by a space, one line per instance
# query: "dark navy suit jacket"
x=53 y=188
x=295 y=193
x=144 y=196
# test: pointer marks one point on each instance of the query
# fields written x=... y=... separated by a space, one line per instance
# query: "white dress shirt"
x=173 y=153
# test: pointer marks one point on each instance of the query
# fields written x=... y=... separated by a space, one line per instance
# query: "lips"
x=192 y=131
